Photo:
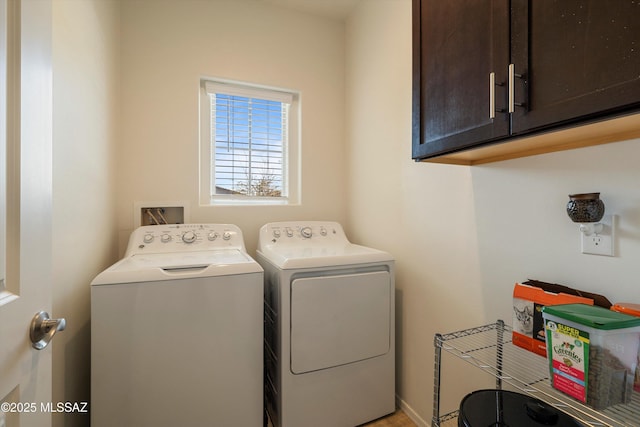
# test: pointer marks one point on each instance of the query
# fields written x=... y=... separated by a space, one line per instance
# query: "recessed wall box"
x=153 y=213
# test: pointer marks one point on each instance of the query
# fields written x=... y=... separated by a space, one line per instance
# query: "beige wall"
x=169 y=45
x=85 y=136
x=464 y=235
x=524 y=231
x=422 y=214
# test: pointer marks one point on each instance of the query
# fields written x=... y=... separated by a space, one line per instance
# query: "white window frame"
x=291 y=167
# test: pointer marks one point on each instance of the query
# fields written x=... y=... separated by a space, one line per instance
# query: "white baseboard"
x=408 y=410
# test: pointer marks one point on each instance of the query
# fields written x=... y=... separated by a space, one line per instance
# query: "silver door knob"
x=43 y=328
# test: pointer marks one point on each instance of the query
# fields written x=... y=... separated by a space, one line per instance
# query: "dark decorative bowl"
x=585 y=207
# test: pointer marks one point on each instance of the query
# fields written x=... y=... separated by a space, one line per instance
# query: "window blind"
x=249 y=139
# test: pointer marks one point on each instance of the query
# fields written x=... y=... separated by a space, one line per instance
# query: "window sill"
x=276 y=201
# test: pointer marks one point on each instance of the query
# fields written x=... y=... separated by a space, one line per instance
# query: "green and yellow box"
x=592 y=352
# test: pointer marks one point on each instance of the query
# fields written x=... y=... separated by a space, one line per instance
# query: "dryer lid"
x=292 y=257
x=169 y=266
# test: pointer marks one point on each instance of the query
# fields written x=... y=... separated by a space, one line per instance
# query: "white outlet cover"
x=601 y=243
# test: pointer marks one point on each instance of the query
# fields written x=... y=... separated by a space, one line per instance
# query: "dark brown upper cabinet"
x=486 y=72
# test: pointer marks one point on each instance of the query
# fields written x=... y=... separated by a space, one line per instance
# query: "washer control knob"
x=276 y=233
x=226 y=235
x=323 y=231
x=212 y=236
x=306 y=232
x=189 y=237
x=165 y=238
x=148 y=238
x=289 y=232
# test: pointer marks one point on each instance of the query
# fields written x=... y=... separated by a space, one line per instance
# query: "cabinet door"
x=580 y=59
x=456 y=45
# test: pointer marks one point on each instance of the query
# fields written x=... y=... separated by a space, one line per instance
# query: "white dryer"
x=177 y=331
x=329 y=326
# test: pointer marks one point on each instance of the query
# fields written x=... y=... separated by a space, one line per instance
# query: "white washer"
x=177 y=331
x=329 y=326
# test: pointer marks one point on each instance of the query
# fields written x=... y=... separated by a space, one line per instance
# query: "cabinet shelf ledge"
x=598 y=133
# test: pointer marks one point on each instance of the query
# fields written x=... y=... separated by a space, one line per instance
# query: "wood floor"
x=397 y=419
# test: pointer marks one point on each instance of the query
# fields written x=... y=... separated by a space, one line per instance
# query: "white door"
x=25 y=208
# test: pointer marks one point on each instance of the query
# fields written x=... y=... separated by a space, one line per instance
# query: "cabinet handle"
x=512 y=76
x=492 y=95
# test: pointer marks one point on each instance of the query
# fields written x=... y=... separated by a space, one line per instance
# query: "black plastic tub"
x=501 y=408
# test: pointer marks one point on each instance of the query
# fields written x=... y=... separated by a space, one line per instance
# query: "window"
x=249 y=144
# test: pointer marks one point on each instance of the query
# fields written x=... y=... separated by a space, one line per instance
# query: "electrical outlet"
x=601 y=243
x=597 y=245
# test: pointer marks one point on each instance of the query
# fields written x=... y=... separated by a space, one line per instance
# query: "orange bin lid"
x=627 y=308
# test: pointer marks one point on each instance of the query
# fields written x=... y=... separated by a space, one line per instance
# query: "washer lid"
x=185 y=265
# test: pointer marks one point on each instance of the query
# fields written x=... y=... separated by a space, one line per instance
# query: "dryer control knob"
x=306 y=232
x=189 y=237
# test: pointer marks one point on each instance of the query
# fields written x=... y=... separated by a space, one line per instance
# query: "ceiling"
x=336 y=9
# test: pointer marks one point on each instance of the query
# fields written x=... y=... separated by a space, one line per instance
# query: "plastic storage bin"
x=592 y=352
x=633 y=310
